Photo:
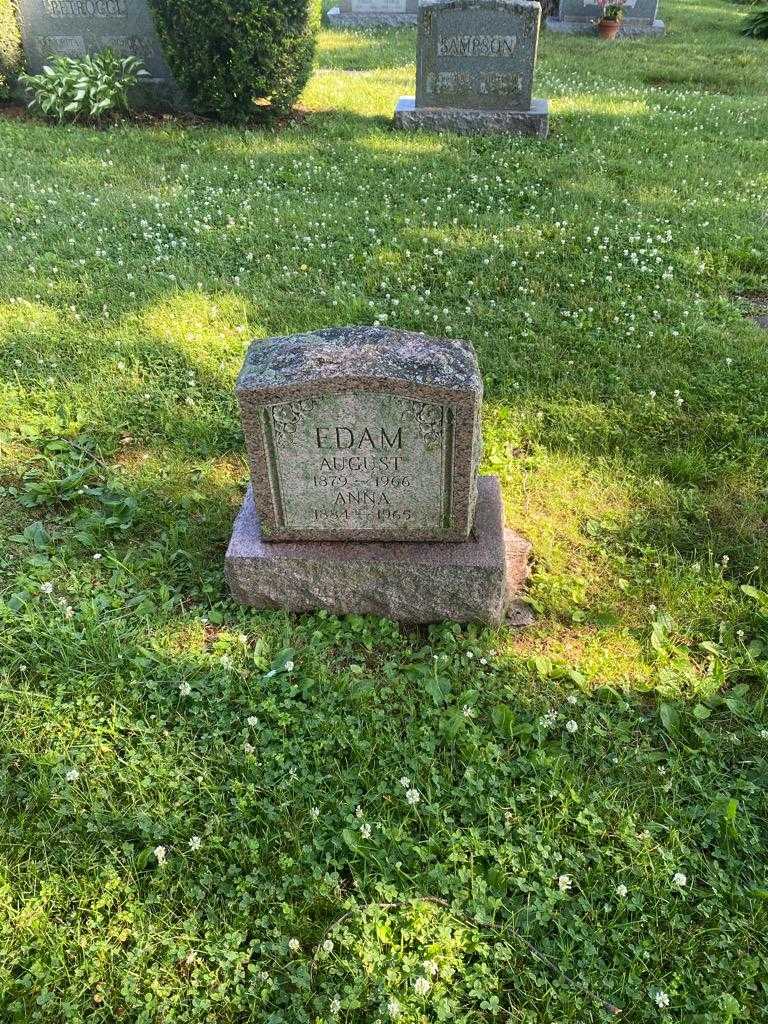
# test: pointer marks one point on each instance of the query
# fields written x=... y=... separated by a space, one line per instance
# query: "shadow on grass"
x=169 y=334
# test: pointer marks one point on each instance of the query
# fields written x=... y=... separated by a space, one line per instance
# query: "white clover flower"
x=289 y=666
x=467 y=711
x=365 y=831
x=252 y=720
x=335 y=1005
x=422 y=986
x=328 y=946
x=413 y=796
x=358 y=811
x=572 y=698
x=294 y=945
x=195 y=843
x=764 y=734
x=564 y=883
x=430 y=967
x=405 y=782
x=393 y=1008
x=46 y=588
x=314 y=813
x=248 y=748
x=621 y=891
x=572 y=726
x=661 y=999
x=160 y=853
x=72 y=775
x=69 y=612
x=185 y=689
x=680 y=879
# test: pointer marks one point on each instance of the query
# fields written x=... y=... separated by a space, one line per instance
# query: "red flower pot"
x=608 y=28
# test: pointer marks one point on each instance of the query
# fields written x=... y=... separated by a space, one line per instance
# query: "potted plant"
x=610 y=21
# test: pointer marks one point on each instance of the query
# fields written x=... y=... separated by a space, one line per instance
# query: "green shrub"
x=229 y=54
x=756 y=24
x=11 y=53
x=89 y=87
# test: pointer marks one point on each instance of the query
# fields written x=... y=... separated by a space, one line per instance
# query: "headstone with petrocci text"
x=74 y=28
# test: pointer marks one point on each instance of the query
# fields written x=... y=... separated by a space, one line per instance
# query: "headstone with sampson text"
x=474 y=68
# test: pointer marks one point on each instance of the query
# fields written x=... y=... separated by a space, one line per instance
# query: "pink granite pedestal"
x=477 y=580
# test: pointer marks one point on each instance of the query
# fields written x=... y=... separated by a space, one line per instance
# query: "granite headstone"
x=474 y=68
x=74 y=28
x=580 y=17
x=370 y=13
x=363 y=446
x=362 y=434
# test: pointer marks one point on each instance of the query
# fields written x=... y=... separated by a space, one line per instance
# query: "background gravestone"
x=360 y=13
x=580 y=16
x=363 y=446
x=474 y=68
x=74 y=28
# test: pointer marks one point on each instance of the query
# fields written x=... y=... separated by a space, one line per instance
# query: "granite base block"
x=589 y=28
x=344 y=19
x=474 y=122
x=479 y=580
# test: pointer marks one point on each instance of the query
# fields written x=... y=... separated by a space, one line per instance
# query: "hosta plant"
x=88 y=87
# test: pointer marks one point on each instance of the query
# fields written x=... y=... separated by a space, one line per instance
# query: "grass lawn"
x=217 y=815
